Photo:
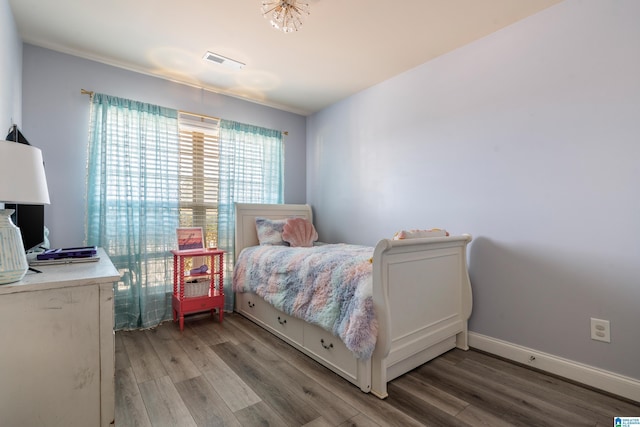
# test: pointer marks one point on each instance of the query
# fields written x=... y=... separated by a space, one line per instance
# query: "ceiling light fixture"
x=285 y=15
x=223 y=60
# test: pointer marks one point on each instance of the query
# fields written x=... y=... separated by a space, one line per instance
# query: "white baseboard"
x=585 y=374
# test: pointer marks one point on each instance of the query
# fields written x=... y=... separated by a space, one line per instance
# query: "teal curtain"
x=251 y=171
x=132 y=203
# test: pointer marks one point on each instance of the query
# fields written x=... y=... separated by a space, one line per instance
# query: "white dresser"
x=57 y=346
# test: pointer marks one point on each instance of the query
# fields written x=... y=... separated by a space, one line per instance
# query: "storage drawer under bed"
x=330 y=349
x=312 y=340
x=262 y=312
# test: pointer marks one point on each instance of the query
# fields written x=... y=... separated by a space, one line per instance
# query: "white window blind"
x=199 y=171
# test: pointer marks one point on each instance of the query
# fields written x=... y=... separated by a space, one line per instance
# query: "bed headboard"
x=246 y=214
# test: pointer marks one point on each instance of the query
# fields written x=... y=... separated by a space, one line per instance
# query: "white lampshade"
x=22 y=178
x=22 y=181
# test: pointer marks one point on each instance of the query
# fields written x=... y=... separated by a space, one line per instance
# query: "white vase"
x=13 y=260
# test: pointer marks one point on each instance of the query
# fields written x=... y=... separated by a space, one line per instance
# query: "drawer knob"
x=251 y=305
x=282 y=321
x=328 y=347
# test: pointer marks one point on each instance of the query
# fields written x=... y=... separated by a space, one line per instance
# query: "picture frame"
x=189 y=238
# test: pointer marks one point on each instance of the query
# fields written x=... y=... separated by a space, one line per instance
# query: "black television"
x=30 y=220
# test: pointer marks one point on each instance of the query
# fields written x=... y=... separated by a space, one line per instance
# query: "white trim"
x=594 y=377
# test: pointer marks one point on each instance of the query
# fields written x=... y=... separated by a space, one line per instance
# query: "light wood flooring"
x=237 y=374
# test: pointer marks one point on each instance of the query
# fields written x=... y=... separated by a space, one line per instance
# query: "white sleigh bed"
x=422 y=301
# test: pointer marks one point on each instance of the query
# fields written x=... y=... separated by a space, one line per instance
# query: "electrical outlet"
x=600 y=330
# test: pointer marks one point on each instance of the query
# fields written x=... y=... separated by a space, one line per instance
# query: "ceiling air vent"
x=223 y=60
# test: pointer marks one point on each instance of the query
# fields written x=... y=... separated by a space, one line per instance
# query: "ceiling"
x=344 y=46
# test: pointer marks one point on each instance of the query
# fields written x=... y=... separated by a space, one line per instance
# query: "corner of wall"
x=10 y=69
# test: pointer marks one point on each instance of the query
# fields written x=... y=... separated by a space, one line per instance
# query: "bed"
x=421 y=297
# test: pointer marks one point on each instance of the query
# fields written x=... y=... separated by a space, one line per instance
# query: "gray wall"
x=56 y=119
x=10 y=70
x=529 y=139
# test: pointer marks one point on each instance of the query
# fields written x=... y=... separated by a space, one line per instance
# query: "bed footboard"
x=422 y=296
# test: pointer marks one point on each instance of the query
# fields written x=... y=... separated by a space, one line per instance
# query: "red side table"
x=190 y=293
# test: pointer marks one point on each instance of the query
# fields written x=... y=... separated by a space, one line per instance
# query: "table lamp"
x=22 y=181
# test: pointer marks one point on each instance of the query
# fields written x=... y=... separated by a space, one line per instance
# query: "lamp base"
x=13 y=260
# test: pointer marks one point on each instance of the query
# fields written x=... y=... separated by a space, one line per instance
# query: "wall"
x=56 y=119
x=10 y=70
x=529 y=140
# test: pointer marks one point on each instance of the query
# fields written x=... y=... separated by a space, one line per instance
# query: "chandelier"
x=285 y=15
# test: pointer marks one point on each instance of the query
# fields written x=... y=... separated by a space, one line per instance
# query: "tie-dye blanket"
x=327 y=285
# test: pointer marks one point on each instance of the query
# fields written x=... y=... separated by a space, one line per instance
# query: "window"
x=152 y=169
x=199 y=173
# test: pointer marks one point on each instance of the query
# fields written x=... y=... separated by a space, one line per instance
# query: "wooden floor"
x=236 y=374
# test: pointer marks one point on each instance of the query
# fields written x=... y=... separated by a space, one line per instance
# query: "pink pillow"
x=418 y=234
x=299 y=232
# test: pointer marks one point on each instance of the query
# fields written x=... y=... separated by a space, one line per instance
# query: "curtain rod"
x=90 y=93
x=198 y=114
x=284 y=132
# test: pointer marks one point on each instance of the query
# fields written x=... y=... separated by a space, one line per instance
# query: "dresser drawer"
x=331 y=349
